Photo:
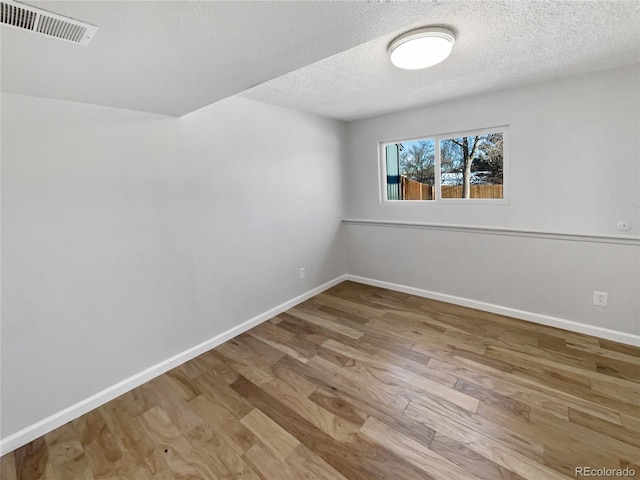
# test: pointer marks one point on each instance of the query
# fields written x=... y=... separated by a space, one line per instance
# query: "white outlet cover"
x=600 y=299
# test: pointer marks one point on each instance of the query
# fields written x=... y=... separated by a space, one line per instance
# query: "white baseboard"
x=617 y=336
x=58 y=419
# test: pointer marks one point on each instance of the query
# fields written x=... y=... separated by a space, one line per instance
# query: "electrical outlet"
x=600 y=299
x=302 y=273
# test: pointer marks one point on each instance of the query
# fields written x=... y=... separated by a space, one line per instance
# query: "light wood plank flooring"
x=362 y=383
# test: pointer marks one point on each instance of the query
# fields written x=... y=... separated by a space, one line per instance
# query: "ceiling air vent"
x=26 y=17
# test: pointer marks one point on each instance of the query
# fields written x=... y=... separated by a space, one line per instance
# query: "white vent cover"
x=26 y=17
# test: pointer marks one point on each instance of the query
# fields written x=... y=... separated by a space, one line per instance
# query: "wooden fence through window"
x=412 y=190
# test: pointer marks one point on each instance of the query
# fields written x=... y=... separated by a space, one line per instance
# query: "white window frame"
x=506 y=177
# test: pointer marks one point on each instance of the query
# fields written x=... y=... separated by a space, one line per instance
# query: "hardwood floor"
x=362 y=383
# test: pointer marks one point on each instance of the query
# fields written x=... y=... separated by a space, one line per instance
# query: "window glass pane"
x=393 y=171
x=472 y=167
x=410 y=170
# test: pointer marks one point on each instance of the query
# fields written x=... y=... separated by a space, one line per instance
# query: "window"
x=467 y=166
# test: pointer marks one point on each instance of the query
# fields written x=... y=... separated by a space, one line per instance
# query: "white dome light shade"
x=421 y=48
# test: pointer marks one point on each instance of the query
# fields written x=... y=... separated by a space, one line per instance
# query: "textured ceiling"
x=500 y=44
x=173 y=57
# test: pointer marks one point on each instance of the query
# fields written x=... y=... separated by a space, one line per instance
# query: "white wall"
x=575 y=169
x=131 y=237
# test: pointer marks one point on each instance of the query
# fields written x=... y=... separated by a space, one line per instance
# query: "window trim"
x=506 y=170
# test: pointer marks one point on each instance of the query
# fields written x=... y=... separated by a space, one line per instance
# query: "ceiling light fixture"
x=421 y=48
